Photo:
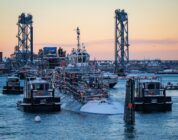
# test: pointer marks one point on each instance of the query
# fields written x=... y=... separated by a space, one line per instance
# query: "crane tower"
x=121 y=40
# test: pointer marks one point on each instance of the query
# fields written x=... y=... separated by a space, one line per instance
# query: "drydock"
x=54 y=78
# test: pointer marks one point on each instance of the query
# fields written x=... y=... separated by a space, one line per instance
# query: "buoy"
x=37 y=119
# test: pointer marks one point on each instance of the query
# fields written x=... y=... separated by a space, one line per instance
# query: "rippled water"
x=70 y=124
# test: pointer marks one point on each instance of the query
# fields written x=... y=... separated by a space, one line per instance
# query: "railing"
x=153 y=92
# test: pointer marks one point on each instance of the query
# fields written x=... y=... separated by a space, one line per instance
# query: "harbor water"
x=71 y=124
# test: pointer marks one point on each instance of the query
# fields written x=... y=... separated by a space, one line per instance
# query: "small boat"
x=39 y=97
x=151 y=97
x=26 y=71
x=168 y=71
x=22 y=72
x=110 y=78
x=171 y=86
x=13 y=86
x=105 y=65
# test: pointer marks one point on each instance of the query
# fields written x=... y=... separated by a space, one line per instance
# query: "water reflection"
x=129 y=132
x=15 y=124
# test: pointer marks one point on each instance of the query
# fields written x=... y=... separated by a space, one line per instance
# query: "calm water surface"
x=72 y=125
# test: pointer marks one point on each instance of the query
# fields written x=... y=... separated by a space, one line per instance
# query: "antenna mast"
x=78 y=38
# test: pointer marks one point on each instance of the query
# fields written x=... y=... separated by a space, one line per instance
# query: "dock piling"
x=129 y=111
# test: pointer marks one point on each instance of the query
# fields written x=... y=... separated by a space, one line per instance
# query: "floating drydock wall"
x=24 y=49
x=121 y=40
x=129 y=112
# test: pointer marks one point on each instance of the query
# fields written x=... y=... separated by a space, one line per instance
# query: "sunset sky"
x=153 y=26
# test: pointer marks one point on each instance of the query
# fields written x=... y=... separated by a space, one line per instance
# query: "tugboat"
x=39 y=97
x=12 y=86
x=151 y=97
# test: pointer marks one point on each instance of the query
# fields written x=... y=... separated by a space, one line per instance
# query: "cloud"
x=154 y=42
x=54 y=45
x=140 y=42
x=136 y=42
x=100 y=42
x=88 y=43
x=132 y=42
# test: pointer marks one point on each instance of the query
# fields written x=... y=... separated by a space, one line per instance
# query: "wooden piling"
x=129 y=111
